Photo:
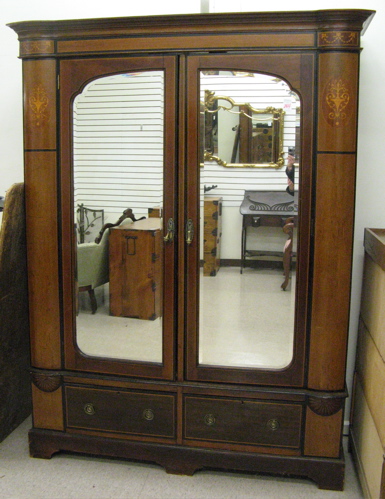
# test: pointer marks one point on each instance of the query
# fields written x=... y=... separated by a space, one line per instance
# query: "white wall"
x=370 y=209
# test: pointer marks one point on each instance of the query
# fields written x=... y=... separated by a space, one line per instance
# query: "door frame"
x=297 y=69
x=74 y=75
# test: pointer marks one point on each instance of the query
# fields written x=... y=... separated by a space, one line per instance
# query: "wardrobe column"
x=40 y=157
x=333 y=234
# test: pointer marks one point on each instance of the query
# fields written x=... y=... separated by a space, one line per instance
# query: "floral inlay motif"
x=339 y=38
x=38 y=103
x=337 y=98
x=36 y=47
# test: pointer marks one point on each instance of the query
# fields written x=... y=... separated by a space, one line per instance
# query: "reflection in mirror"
x=248 y=223
x=238 y=135
x=118 y=180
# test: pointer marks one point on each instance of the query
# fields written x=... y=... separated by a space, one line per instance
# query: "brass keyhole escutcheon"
x=209 y=419
x=169 y=237
x=189 y=231
x=273 y=424
x=89 y=409
x=148 y=414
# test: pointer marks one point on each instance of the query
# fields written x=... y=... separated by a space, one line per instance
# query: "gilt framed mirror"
x=244 y=122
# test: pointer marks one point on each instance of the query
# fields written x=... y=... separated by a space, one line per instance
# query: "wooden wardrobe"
x=166 y=393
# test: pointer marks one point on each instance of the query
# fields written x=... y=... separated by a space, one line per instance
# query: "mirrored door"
x=120 y=207
x=250 y=241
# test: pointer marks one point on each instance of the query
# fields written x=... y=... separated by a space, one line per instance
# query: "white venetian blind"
x=261 y=91
x=118 y=140
x=118 y=143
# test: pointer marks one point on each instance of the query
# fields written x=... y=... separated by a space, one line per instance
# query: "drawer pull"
x=209 y=419
x=148 y=414
x=273 y=424
x=89 y=409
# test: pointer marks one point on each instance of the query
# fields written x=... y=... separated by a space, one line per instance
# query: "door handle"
x=189 y=231
x=169 y=237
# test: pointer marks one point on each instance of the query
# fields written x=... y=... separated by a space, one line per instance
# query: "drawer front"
x=121 y=411
x=243 y=421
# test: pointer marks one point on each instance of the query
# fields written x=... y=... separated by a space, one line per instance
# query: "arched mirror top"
x=249 y=121
x=118 y=167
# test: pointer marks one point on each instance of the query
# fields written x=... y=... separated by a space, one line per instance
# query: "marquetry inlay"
x=37 y=47
x=38 y=104
x=336 y=102
x=338 y=38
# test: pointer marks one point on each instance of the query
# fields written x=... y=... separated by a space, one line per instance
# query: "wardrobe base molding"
x=326 y=473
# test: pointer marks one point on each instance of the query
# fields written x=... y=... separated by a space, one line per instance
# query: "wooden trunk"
x=135 y=270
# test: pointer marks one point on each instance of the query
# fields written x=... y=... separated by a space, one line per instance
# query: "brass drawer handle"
x=209 y=419
x=89 y=409
x=148 y=414
x=273 y=424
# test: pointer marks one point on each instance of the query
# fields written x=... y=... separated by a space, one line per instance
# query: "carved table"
x=269 y=209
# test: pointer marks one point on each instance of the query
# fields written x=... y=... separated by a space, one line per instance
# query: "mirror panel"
x=118 y=149
x=248 y=220
x=239 y=135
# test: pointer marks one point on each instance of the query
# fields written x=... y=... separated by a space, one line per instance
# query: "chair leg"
x=287 y=253
x=94 y=304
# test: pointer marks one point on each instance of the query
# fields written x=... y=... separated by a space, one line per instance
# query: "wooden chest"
x=136 y=270
x=367 y=432
x=212 y=233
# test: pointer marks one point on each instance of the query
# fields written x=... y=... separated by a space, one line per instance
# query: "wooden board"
x=366 y=447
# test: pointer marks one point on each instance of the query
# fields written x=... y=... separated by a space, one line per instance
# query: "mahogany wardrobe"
x=225 y=370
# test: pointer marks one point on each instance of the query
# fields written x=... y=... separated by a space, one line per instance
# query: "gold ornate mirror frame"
x=244 y=133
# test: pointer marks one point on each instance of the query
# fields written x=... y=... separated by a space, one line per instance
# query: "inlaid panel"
x=186 y=42
x=42 y=247
x=337 y=117
x=37 y=47
x=243 y=421
x=121 y=411
x=40 y=104
x=332 y=267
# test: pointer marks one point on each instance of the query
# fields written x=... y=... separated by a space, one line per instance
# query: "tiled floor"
x=245 y=320
x=230 y=335
x=68 y=476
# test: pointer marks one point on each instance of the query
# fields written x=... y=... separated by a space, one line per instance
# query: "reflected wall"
x=250 y=125
x=118 y=136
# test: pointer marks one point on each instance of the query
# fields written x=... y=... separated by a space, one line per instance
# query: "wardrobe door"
x=118 y=152
x=252 y=116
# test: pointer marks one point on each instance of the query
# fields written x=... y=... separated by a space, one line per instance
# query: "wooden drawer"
x=121 y=411
x=243 y=421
